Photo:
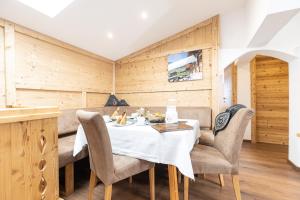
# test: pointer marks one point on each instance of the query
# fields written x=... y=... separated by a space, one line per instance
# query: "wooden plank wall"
x=142 y=79
x=2 y=75
x=51 y=73
x=272 y=100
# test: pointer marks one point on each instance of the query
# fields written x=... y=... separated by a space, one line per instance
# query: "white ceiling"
x=85 y=23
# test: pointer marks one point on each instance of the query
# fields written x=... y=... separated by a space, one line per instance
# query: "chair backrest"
x=229 y=141
x=101 y=157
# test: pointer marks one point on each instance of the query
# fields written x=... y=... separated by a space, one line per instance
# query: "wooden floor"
x=264 y=173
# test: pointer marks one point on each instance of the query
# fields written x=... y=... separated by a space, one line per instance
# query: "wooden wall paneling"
x=234 y=83
x=253 y=98
x=114 y=79
x=272 y=101
x=96 y=99
x=58 y=68
x=215 y=93
x=9 y=47
x=25 y=31
x=1 y=23
x=228 y=86
x=152 y=75
x=147 y=51
x=83 y=100
x=62 y=99
x=184 y=98
x=141 y=78
x=2 y=68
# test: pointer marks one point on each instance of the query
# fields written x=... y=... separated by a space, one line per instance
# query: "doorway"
x=270 y=99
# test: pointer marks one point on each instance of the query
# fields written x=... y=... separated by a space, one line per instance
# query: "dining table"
x=145 y=142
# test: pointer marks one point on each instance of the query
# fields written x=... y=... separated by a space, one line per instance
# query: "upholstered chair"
x=106 y=166
x=223 y=157
x=207 y=138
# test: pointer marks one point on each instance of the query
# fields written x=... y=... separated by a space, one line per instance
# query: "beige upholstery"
x=207 y=159
x=109 y=168
x=223 y=157
x=206 y=137
x=68 y=123
x=65 y=151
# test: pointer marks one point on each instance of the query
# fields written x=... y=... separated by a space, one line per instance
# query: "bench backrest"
x=68 y=123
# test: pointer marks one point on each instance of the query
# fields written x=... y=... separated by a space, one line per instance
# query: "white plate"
x=128 y=123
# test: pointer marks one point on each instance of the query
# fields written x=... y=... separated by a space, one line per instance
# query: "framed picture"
x=186 y=66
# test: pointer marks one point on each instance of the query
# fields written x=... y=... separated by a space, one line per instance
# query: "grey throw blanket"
x=223 y=119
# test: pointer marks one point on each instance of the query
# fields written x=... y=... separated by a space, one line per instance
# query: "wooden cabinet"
x=28 y=154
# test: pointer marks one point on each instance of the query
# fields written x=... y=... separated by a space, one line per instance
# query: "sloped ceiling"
x=85 y=23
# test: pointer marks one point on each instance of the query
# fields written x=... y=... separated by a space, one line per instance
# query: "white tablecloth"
x=144 y=142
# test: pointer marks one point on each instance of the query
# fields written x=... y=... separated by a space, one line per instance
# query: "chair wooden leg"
x=236 y=186
x=69 y=179
x=186 y=188
x=108 y=192
x=179 y=177
x=221 y=179
x=93 y=182
x=152 y=183
x=130 y=180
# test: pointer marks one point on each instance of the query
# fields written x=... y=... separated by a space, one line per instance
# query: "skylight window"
x=50 y=8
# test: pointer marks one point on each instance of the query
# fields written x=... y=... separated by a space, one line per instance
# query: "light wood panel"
x=152 y=76
x=272 y=96
x=2 y=71
x=58 y=68
x=9 y=63
x=253 y=98
x=64 y=100
x=96 y=99
x=142 y=77
x=25 y=31
x=28 y=154
x=184 y=98
x=50 y=72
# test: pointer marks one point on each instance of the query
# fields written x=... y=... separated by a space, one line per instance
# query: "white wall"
x=294 y=114
x=256 y=11
x=244 y=90
x=239 y=27
x=287 y=39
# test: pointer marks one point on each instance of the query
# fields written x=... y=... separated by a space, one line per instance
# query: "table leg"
x=173 y=184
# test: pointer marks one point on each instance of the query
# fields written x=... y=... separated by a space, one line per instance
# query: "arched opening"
x=260 y=79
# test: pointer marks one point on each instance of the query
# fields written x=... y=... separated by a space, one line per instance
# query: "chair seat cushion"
x=65 y=151
x=207 y=159
x=207 y=137
x=125 y=166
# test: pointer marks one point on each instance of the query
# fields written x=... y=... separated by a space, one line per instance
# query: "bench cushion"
x=65 y=151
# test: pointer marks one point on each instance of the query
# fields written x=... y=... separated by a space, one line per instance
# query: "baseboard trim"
x=293 y=165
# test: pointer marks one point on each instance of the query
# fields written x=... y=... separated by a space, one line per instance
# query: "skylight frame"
x=50 y=8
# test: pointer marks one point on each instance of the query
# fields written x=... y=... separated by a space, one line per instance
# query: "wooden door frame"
x=234 y=83
x=253 y=98
x=233 y=76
